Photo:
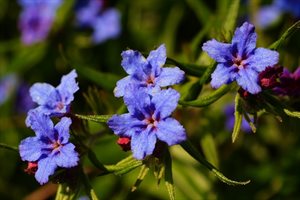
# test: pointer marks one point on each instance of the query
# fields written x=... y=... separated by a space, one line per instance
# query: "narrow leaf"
x=93 y=158
x=191 y=69
x=206 y=100
x=292 y=113
x=188 y=147
x=8 y=147
x=105 y=80
x=124 y=167
x=143 y=172
x=94 y=118
x=93 y=195
x=288 y=33
x=230 y=20
x=169 y=176
x=238 y=117
x=210 y=150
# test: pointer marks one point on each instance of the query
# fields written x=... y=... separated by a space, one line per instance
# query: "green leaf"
x=93 y=158
x=8 y=147
x=292 y=113
x=168 y=175
x=230 y=20
x=94 y=118
x=188 y=147
x=143 y=172
x=238 y=117
x=93 y=195
x=288 y=33
x=190 y=69
x=124 y=166
x=210 y=151
x=105 y=80
x=190 y=91
x=206 y=100
x=65 y=193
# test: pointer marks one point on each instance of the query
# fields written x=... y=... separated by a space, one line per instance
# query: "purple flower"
x=148 y=121
x=36 y=19
x=269 y=78
x=147 y=73
x=289 y=83
x=7 y=85
x=267 y=15
x=106 y=26
x=290 y=6
x=104 y=22
x=240 y=60
x=229 y=124
x=50 y=148
x=55 y=101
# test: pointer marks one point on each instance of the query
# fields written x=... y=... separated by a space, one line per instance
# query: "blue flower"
x=147 y=73
x=36 y=19
x=50 y=148
x=240 y=60
x=106 y=26
x=55 y=101
x=291 y=6
x=229 y=124
x=87 y=11
x=148 y=120
x=267 y=15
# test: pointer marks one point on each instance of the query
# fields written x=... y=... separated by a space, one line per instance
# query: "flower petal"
x=39 y=122
x=263 y=58
x=165 y=102
x=248 y=80
x=221 y=75
x=40 y=92
x=121 y=86
x=132 y=60
x=170 y=76
x=30 y=149
x=244 y=39
x=63 y=128
x=170 y=131
x=68 y=87
x=143 y=143
x=123 y=124
x=67 y=156
x=46 y=167
x=157 y=59
x=221 y=52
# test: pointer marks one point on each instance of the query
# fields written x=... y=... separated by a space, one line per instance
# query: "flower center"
x=151 y=121
x=60 y=106
x=150 y=80
x=238 y=62
x=56 y=145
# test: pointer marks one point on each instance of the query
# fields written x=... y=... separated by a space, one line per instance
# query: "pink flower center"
x=151 y=121
x=60 y=106
x=56 y=145
x=238 y=62
x=150 y=80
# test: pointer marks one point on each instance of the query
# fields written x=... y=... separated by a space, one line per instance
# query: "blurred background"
x=40 y=42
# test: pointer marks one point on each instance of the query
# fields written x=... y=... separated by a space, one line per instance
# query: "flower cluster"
x=240 y=61
x=36 y=19
x=50 y=148
x=104 y=22
x=149 y=119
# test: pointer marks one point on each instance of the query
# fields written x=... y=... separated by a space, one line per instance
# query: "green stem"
x=8 y=147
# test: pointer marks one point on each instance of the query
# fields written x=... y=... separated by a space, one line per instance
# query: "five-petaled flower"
x=55 y=101
x=50 y=148
x=148 y=120
x=240 y=60
x=147 y=73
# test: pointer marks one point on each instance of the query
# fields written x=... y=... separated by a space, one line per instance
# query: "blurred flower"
x=8 y=84
x=240 y=60
x=148 y=120
x=268 y=15
x=23 y=100
x=289 y=83
x=147 y=73
x=229 y=124
x=50 y=148
x=55 y=101
x=36 y=19
x=104 y=22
